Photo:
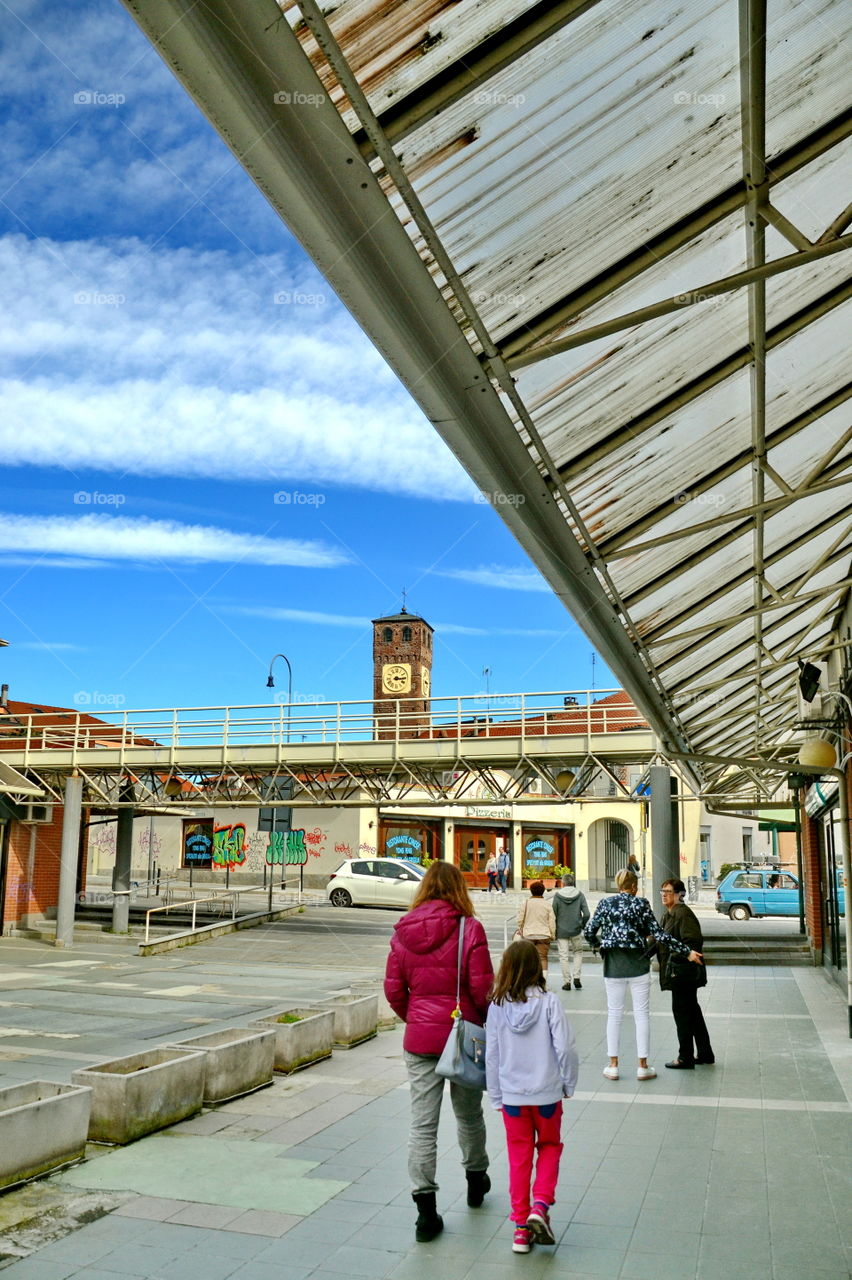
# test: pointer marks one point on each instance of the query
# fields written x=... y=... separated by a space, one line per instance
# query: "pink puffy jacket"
x=420 y=978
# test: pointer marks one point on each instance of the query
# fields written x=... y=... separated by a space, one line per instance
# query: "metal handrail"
x=194 y=902
x=580 y=713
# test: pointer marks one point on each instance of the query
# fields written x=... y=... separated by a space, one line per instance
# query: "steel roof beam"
x=770 y=506
x=654 y=584
x=711 y=478
x=764 y=606
x=718 y=373
x=693 y=297
x=674 y=237
x=476 y=67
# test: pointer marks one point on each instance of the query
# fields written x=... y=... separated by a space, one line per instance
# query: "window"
x=197 y=843
x=406 y=635
x=748 y=842
x=746 y=881
x=387 y=635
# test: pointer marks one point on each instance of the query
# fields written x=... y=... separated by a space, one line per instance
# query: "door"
x=782 y=894
x=395 y=885
x=473 y=848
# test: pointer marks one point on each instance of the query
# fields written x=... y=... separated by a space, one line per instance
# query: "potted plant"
x=303 y=1036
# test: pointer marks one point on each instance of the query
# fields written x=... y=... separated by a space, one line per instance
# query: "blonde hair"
x=626 y=881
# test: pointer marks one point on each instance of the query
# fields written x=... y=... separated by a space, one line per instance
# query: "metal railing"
x=580 y=713
x=300 y=897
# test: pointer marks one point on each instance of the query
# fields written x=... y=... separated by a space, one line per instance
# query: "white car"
x=374 y=882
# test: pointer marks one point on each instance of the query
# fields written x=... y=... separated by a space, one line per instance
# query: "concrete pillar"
x=121 y=875
x=68 y=855
x=664 y=834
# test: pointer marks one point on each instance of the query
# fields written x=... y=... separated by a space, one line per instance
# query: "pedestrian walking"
x=572 y=915
x=421 y=980
x=683 y=980
x=537 y=923
x=626 y=923
x=530 y=1065
x=503 y=865
x=491 y=872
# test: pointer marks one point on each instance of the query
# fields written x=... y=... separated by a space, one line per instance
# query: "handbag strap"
x=457 y=1011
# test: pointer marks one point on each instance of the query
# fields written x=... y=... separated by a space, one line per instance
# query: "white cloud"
x=124 y=538
x=180 y=362
x=353 y=620
x=496 y=575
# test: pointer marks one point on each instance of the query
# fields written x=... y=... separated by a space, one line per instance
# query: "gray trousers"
x=427 y=1091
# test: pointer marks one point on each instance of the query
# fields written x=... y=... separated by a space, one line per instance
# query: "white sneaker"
x=611 y=1073
x=646 y=1073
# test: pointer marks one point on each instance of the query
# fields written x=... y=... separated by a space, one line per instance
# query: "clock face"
x=425 y=682
x=396 y=677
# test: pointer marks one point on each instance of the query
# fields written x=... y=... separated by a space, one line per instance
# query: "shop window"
x=197 y=843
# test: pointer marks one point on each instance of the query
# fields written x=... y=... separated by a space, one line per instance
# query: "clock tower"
x=402 y=675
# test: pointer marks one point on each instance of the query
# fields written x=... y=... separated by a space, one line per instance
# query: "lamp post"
x=270 y=684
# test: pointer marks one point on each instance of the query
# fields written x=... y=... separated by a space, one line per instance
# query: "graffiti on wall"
x=229 y=846
x=287 y=848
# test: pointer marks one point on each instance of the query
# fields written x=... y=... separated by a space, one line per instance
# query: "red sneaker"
x=538 y=1224
x=521 y=1240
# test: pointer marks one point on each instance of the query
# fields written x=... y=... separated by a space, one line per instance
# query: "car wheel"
x=740 y=913
x=340 y=898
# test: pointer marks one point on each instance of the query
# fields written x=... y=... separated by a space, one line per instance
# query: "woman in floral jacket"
x=626 y=925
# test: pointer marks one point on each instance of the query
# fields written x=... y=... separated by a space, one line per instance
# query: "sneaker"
x=578 y=984
x=646 y=1073
x=521 y=1240
x=538 y=1224
x=566 y=986
x=611 y=1073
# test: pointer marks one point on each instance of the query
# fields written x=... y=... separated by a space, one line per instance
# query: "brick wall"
x=811 y=867
x=32 y=872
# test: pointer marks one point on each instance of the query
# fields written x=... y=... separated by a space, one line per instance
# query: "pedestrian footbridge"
x=519 y=746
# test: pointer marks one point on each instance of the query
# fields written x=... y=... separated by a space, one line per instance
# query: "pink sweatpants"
x=530 y=1130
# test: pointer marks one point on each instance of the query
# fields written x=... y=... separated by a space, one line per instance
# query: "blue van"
x=761 y=891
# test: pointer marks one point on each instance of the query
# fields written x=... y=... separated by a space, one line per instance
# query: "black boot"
x=478 y=1183
x=429 y=1222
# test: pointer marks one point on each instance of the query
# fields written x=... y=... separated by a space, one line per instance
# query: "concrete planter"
x=356 y=1018
x=301 y=1043
x=145 y=1092
x=386 y=1016
x=236 y=1061
x=42 y=1127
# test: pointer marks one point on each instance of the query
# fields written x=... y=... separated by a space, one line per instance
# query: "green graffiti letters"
x=229 y=846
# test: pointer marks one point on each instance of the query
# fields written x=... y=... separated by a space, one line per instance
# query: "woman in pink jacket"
x=420 y=984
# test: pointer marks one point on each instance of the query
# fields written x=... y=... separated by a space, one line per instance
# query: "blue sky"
x=204 y=460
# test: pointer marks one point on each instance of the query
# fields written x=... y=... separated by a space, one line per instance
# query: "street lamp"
x=270 y=684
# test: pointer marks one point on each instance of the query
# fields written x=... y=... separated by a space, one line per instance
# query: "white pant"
x=640 y=997
x=570 y=955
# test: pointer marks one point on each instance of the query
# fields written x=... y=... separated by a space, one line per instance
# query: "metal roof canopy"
x=602 y=246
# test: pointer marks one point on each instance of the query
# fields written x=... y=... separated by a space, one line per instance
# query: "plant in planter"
x=303 y=1036
x=547 y=874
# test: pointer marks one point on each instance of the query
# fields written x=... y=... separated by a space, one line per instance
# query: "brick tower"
x=402 y=674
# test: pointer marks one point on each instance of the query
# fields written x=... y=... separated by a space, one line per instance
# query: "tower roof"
x=403 y=617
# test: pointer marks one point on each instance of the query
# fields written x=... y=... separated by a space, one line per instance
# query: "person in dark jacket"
x=683 y=980
x=572 y=915
x=420 y=984
x=625 y=923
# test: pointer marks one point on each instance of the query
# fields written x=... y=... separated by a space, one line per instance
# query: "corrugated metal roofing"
x=557 y=167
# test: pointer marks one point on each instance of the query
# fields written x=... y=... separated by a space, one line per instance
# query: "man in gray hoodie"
x=572 y=915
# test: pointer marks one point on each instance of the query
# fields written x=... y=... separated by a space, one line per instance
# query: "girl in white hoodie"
x=530 y=1066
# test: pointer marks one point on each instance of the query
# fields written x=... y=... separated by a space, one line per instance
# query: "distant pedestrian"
x=683 y=980
x=537 y=923
x=530 y=1066
x=633 y=865
x=572 y=915
x=625 y=923
x=420 y=984
x=503 y=865
x=491 y=872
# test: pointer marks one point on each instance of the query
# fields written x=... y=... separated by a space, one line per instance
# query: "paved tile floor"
x=742 y=1170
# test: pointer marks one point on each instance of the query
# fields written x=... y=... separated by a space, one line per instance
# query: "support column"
x=68 y=855
x=121 y=875
x=665 y=854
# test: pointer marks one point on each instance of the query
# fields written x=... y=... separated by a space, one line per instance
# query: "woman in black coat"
x=683 y=980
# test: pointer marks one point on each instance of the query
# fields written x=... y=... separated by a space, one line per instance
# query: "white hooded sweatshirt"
x=530 y=1052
